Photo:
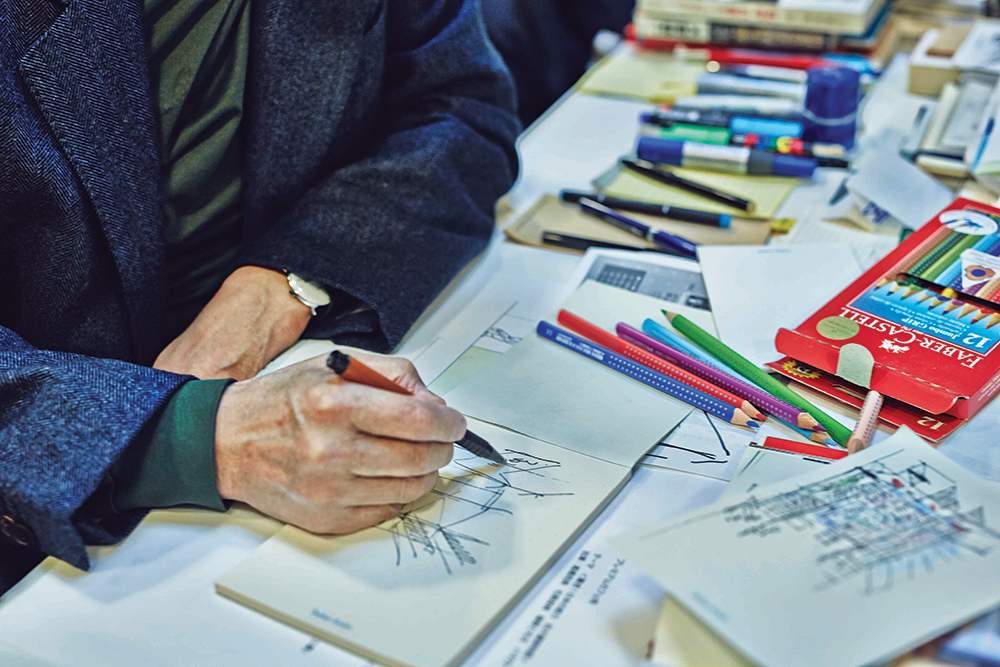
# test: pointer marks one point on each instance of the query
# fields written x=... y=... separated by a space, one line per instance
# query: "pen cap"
x=793 y=165
x=831 y=105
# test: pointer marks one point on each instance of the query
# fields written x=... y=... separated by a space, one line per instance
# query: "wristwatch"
x=309 y=293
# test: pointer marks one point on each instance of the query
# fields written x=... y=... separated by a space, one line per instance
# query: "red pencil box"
x=898 y=329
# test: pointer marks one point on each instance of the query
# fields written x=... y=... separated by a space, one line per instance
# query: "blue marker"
x=678 y=244
x=732 y=159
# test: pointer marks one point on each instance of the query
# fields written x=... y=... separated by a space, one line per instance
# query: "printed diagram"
x=882 y=522
x=443 y=525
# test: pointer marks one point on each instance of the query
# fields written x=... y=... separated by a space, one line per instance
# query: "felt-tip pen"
x=650 y=208
x=732 y=159
x=639 y=229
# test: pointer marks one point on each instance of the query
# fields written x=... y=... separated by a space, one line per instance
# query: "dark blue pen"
x=623 y=222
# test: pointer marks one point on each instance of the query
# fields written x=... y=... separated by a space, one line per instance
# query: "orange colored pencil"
x=635 y=353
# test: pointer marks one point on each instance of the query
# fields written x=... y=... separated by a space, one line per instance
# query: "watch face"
x=972 y=223
x=307 y=292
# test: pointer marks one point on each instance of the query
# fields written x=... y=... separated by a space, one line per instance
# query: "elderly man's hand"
x=331 y=456
x=252 y=319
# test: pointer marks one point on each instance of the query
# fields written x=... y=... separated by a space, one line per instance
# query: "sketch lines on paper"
x=884 y=522
x=446 y=524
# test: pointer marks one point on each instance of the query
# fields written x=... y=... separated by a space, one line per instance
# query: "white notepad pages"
x=848 y=565
x=422 y=589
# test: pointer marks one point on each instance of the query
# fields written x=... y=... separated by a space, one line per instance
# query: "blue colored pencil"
x=647 y=376
x=675 y=340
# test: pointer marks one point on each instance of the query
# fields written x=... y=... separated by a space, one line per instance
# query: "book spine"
x=695 y=31
x=765 y=13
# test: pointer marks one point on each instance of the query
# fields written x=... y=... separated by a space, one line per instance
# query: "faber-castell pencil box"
x=921 y=326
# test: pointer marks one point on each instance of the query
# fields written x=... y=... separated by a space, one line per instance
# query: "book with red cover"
x=899 y=331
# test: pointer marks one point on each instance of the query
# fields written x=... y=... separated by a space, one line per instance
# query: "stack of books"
x=812 y=26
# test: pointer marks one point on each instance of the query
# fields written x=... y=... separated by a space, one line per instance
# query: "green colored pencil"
x=762 y=379
x=935 y=254
x=932 y=272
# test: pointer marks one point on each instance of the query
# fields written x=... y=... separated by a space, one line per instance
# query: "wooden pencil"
x=750 y=371
x=625 y=348
x=777 y=407
x=861 y=437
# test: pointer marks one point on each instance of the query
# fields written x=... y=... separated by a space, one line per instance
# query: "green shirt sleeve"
x=172 y=461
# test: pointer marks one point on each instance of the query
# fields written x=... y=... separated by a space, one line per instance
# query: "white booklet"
x=422 y=589
x=848 y=565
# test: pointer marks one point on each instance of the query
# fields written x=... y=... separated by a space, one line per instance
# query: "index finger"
x=389 y=415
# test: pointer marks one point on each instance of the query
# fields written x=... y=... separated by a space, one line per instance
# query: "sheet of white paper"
x=554 y=394
x=422 y=588
x=761 y=467
x=897 y=186
x=756 y=289
x=594 y=607
x=702 y=445
x=665 y=277
x=897 y=532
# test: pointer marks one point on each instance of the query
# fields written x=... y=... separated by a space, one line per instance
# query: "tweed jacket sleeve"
x=415 y=204
x=63 y=419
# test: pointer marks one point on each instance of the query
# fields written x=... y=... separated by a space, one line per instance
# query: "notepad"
x=548 y=392
x=646 y=76
x=894 y=546
x=422 y=589
x=767 y=192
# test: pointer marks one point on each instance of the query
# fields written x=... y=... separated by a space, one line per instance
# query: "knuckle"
x=422 y=418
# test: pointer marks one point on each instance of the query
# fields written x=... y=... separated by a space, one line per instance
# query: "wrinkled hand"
x=251 y=320
x=331 y=456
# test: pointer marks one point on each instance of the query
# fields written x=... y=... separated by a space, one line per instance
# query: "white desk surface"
x=151 y=599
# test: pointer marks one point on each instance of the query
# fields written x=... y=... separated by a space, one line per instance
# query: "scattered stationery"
x=622 y=346
x=757 y=290
x=750 y=371
x=354 y=370
x=861 y=437
x=650 y=208
x=650 y=170
x=897 y=533
x=897 y=331
x=641 y=373
x=727 y=159
x=766 y=192
x=551 y=215
x=553 y=394
x=712 y=373
x=582 y=244
x=931 y=427
x=422 y=589
x=676 y=243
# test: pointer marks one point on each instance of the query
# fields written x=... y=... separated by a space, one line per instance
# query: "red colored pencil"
x=630 y=351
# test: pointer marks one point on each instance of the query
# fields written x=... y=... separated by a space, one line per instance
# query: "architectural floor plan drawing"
x=897 y=533
x=887 y=521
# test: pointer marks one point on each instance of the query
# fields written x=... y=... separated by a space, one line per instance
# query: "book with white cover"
x=829 y=16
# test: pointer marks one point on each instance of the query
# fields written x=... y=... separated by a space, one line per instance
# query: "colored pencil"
x=647 y=376
x=948 y=258
x=665 y=335
x=935 y=253
x=626 y=349
x=669 y=178
x=812 y=436
x=795 y=447
x=750 y=371
x=861 y=437
x=777 y=407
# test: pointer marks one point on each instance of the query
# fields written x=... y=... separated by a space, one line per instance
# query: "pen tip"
x=498 y=459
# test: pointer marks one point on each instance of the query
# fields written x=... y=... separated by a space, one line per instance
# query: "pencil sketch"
x=702 y=445
x=443 y=525
x=883 y=522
